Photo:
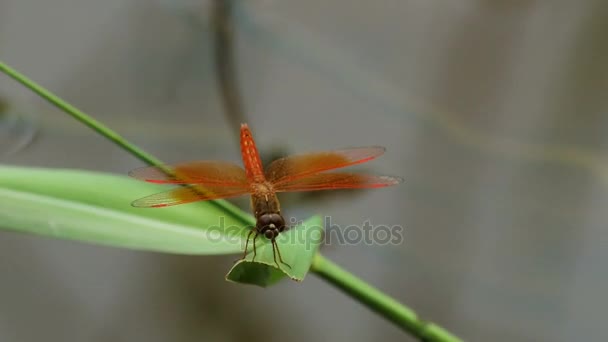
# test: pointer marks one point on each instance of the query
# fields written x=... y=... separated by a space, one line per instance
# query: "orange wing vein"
x=184 y=195
x=332 y=181
x=300 y=166
x=196 y=172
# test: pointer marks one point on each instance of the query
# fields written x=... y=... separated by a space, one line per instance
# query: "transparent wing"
x=299 y=166
x=195 y=172
x=188 y=194
x=333 y=181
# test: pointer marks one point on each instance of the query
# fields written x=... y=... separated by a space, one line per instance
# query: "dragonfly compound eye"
x=264 y=221
x=271 y=222
x=278 y=221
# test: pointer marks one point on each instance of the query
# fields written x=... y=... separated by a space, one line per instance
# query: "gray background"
x=494 y=113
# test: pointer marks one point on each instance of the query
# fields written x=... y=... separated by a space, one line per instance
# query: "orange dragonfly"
x=219 y=179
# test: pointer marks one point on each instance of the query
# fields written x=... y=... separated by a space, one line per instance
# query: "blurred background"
x=494 y=113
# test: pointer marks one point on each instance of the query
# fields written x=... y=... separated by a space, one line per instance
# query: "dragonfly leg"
x=247 y=245
x=278 y=251
x=255 y=236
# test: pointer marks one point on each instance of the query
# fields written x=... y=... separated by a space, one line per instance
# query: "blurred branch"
x=224 y=59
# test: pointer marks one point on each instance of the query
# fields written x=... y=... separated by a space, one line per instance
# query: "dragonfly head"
x=270 y=225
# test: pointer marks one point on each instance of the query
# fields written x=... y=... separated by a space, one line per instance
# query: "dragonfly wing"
x=196 y=172
x=295 y=167
x=333 y=181
x=188 y=194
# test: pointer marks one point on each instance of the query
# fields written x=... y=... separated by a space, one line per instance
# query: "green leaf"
x=297 y=245
x=95 y=207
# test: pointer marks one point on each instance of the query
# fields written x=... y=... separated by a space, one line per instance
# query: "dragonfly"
x=209 y=180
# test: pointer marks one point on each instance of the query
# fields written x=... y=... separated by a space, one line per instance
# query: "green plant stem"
x=384 y=305
x=107 y=132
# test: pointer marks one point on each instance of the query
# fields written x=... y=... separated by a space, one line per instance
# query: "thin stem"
x=107 y=132
x=379 y=302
